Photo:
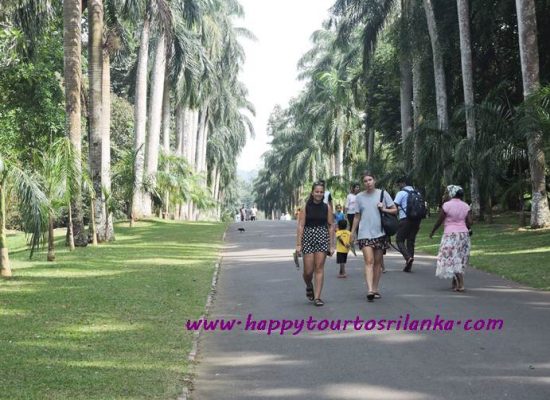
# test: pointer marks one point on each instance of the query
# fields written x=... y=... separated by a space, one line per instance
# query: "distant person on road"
x=339 y=215
x=343 y=236
x=327 y=197
x=253 y=213
x=242 y=212
x=412 y=209
x=454 y=250
x=315 y=240
x=349 y=207
x=367 y=228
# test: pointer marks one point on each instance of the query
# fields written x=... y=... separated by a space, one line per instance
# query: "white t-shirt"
x=253 y=211
x=351 y=204
x=327 y=198
x=370 y=226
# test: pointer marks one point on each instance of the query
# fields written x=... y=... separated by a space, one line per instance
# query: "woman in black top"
x=315 y=239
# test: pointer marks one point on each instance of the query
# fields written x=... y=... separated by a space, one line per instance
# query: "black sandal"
x=318 y=302
x=377 y=295
x=370 y=297
x=309 y=292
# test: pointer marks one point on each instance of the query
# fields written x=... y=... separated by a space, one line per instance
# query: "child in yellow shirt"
x=342 y=246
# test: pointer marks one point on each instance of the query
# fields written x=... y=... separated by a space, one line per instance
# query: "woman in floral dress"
x=454 y=250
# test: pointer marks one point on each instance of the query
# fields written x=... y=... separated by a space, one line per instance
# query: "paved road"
x=258 y=277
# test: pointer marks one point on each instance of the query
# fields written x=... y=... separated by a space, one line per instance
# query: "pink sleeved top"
x=455 y=216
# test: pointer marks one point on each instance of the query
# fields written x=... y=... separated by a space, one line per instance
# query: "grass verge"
x=106 y=322
x=522 y=255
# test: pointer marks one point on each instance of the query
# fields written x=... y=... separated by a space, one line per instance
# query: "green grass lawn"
x=522 y=255
x=106 y=322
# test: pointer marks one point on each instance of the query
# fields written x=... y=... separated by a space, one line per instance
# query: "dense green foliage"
x=352 y=100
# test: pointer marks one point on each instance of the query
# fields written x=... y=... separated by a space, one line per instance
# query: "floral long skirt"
x=454 y=254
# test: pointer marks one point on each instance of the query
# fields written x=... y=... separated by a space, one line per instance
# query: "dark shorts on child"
x=341 y=258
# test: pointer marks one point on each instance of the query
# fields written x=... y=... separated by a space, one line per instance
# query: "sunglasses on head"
x=318 y=183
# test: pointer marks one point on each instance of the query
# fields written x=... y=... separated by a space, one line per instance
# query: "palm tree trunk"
x=107 y=234
x=51 y=242
x=166 y=132
x=468 y=86
x=205 y=147
x=5 y=269
x=527 y=30
x=370 y=147
x=180 y=123
x=95 y=75
x=93 y=206
x=405 y=97
x=417 y=117
x=439 y=70
x=340 y=155
x=193 y=139
x=73 y=82
x=405 y=87
x=155 y=119
x=71 y=230
x=200 y=140
x=140 y=116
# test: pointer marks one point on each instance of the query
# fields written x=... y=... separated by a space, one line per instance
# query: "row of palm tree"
x=191 y=112
x=350 y=103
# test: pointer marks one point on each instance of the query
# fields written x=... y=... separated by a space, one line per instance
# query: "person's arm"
x=383 y=206
x=440 y=219
x=300 y=230
x=469 y=220
x=346 y=206
x=355 y=226
x=331 y=230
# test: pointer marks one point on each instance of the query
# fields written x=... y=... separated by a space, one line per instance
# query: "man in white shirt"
x=350 y=206
x=253 y=212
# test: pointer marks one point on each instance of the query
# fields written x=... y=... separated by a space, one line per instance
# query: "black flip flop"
x=309 y=292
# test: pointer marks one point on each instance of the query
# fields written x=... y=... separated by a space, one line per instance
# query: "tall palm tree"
x=73 y=82
x=468 y=87
x=95 y=98
x=527 y=30
x=140 y=112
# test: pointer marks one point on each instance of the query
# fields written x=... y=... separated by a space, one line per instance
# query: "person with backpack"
x=367 y=227
x=412 y=209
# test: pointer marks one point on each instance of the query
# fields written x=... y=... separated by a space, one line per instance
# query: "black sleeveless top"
x=316 y=214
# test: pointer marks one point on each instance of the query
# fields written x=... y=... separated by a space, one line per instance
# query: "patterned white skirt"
x=315 y=239
x=454 y=254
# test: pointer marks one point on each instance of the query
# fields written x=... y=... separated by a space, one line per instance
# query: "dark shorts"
x=341 y=258
x=350 y=220
x=380 y=243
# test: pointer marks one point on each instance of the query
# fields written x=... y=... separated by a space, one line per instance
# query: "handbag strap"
x=380 y=210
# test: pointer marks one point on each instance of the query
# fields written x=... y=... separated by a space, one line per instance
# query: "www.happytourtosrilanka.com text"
x=297 y=326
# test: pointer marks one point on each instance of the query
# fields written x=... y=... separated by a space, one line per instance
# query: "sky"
x=283 y=29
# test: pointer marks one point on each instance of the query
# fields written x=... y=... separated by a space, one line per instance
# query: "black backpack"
x=416 y=207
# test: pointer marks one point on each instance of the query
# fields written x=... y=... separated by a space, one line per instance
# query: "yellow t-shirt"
x=342 y=236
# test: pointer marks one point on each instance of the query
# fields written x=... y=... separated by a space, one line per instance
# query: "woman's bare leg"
x=368 y=256
x=319 y=273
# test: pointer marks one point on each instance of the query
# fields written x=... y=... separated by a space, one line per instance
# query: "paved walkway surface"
x=258 y=277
